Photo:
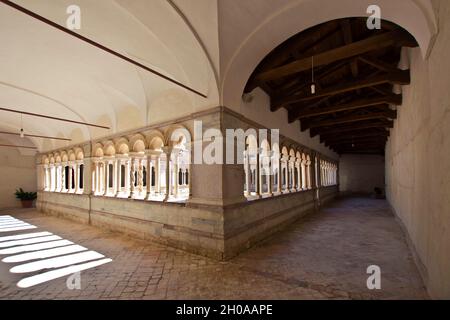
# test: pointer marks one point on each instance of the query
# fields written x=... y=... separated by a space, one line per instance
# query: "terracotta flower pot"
x=27 y=203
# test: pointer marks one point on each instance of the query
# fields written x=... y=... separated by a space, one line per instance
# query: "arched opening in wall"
x=179 y=164
x=298 y=172
x=66 y=178
x=275 y=167
x=265 y=176
x=291 y=170
x=81 y=180
x=284 y=170
x=340 y=80
x=110 y=175
x=122 y=175
x=157 y=165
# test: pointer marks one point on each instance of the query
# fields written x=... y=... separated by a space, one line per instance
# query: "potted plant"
x=26 y=198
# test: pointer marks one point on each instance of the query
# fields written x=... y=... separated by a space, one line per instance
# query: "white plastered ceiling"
x=212 y=46
x=44 y=70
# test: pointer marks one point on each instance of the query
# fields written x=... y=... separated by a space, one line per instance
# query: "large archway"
x=276 y=23
x=340 y=80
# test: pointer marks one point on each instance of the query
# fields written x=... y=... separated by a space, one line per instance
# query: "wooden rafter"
x=394 y=99
x=354 y=127
x=388 y=114
x=392 y=38
x=354 y=74
x=400 y=77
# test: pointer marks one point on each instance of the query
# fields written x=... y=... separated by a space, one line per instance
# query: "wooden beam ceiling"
x=400 y=77
x=347 y=128
x=376 y=42
x=387 y=114
x=355 y=73
x=394 y=99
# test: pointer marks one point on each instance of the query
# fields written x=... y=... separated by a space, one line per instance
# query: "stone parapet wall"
x=215 y=221
x=217 y=232
x=254 y=221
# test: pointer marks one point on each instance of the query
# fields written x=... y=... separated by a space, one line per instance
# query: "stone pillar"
x=39 y=175
x=318 y=177
x=87 y=175
x=279 y=176
x=285 y=164
x=45 y=177
x=168 y=153
x=260 y=173
x=140 y=178
x=132 y=177
x=96 y=177
x=304 y=179
x=292 y=174
x=247 y=174
x=216 y=184
x=175 y=172
x=308 y=174
x=103 y=184
x=116 y=177
x=158 y=174
x=149 y=176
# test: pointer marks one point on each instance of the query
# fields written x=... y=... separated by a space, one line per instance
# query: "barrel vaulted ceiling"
x=212 y=46
x=46 y=71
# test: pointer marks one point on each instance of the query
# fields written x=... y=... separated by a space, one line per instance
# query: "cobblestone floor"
x=323 y=256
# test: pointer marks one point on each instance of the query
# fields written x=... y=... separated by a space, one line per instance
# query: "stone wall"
x=417 y=166
x=361 y=173
x=17 y=171
x=217 y=221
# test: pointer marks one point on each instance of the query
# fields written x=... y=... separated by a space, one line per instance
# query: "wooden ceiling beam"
x=348 y=39
x=380 y=65
x=395 y=99
x=376 y=42
x=354 y=127
x=401 y=77
x=317 y=78
x=336 y=138
x=363 y=152
x=389 y=114
x=357 y=141
x=281 y=54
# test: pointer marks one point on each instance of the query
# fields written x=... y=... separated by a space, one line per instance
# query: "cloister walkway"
x=324 y=255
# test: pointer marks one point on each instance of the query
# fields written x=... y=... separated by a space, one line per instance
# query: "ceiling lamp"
x=313 y=85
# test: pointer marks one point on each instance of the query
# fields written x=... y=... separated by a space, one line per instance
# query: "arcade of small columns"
x=116 y=171
x=142 y=175
x=138 y=169
x=328 y=173
x=271 y=173
x=64 y=172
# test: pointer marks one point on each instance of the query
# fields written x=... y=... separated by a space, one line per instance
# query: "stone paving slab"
x=323 y=256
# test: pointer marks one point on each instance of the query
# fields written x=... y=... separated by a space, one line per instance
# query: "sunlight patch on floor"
x=43 y=252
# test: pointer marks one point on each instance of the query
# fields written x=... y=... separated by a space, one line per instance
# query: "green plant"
x=22 y=195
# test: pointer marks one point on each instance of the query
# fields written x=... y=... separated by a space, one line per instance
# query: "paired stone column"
x=88 y=167
x=285 y=172
x=304 y=177
x=308 y=174
x=299 y=174
x=71 y=178
x=46 y=178
x=168 y=153
x=60 y=177
x=293 y=179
